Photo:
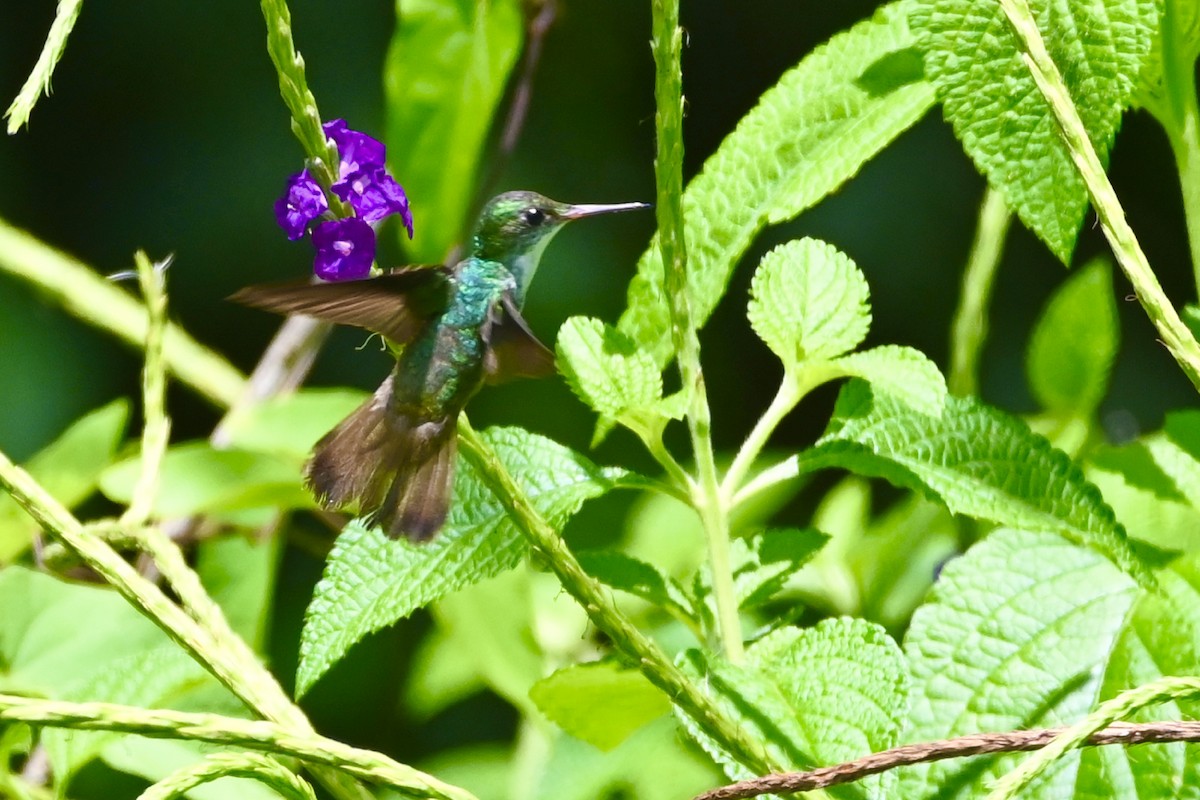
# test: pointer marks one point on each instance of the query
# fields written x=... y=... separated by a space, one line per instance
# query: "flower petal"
x=345 y=249
x=301 y=204
x=373 y=194
x=356 y=151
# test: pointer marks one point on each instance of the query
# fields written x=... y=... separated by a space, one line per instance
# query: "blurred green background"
x=165 y=132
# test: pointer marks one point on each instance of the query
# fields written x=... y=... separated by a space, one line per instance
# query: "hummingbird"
x=451 y=329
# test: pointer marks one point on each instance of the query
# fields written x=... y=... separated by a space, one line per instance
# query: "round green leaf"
x=808 y=301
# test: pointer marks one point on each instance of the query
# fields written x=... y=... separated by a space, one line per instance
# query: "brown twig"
x=973 y=745
x=283 y=367
x=540 y=16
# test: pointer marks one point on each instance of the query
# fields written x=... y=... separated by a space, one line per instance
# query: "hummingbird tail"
x=418 y=501
x=398 y=470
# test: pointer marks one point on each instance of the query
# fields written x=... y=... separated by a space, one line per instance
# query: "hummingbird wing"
x=513 y=350
x=397 y=304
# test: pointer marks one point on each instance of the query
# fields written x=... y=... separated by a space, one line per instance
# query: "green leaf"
x=1179 y=35
x=371 y=581
x=813 y=696
x=441 y=675
x=1145 y=498
x=628 y=574
x=829 y=582
x=1160 y=638
x=492 y=624
x=84 y=643
x=444 y=77
x=1001 y=118
x=482 y=768
x=753 y=702
x=1191 y=317
x=1166 y=462
x=196 y=478
x=605 y=369
x=239 y=573
x=901 y=372
x=601 y=703
x=501 y=634
x=68 y=469
x=1074 y=343
x=1027 y=630
x=808 y=134
x=847 y=684
x=652 y=764
x=1177 y=452
x=291 y=424
x=1154 y=483
x=977 y=460
x=150 y=677
x=763 y=562
x=54 y=634
x=809 y=301
x=1138 y=465
x=898 y=558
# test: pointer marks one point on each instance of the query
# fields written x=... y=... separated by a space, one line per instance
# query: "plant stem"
x=38 y=81
x=1174 y=334
x=200 y=607
x=256 y=735
x=156 y=430
x=30 y=782
x=223 y=765
x=592 y=596
x=96 y=301
x=707 y=498
x=970 y=328
x=1186 y=146
x=714 y=515
x=1173 y=103
x=540 y=16
x=273 y=703
x=974 y=744
x=790 y=393
x=1118 y=708
x=785 y=470
x=795 y=387
x=681 y=481
x=223 y=654
x=293 y=88
x=531 y=756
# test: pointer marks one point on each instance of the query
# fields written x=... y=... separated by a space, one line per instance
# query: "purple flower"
x=373 y=194
x=345 y=249
x=301 y=204
x=356 y=150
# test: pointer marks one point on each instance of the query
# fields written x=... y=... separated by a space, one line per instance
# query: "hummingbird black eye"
x=533 y=216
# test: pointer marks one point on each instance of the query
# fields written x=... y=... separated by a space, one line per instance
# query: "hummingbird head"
x=515 y=227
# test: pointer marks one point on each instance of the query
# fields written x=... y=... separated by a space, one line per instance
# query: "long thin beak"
x=591 y=209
